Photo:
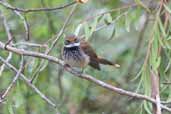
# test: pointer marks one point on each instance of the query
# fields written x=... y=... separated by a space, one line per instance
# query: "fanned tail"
x=107 y=62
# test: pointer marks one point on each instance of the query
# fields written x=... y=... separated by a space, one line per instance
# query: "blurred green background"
x=115 y=36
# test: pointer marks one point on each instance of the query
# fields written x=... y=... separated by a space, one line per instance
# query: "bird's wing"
x=88 y=50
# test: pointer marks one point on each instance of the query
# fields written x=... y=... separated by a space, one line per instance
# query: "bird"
x=78 y=53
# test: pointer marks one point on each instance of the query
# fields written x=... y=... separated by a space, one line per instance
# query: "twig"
x=14 y=80
x=3 y=65
x=7 y=29
x=110 y=11
x=82 y=76
x=5 y=4
x=30 y=44
x=151 y=37
x=49 y=19
x=138 y=46
x=111 y=23
x=26 y=25
x=168 y=83
x=59 y=80
x=10 y=38
x=28 y=83
x=27 y=28
x=56 y=39
x=116 y=19
x=166 y=102
x=155 y=93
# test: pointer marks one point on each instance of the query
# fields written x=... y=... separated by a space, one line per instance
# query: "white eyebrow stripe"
x=72 y=45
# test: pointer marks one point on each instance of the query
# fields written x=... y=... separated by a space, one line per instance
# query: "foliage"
x=135 y=35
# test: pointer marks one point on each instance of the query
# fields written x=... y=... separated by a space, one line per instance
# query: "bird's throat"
x=74 y=48
x=72 y=45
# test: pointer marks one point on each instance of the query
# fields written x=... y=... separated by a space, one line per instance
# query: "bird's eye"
x=76 y=40
x=66 y=42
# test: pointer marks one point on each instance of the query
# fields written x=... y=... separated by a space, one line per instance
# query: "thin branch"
x=59 y=80
x=50 y=20
x=14 y=80
x=166 y=102
x=138 y=45
x=82 y=76
x=30 y=44
x=3 y=65
x=109 y=11
x=27 y=81
x=60 y=33
x=113 y=21
x=26 y=25
x=155 y=92
x=5 y=4
x=10 y=38
x=168 y=83
x=7 y=29
x=56 y=39
x=100 y=27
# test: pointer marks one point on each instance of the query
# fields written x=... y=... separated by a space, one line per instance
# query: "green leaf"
x=157 y=64
x=161 y=42
x=19 y=100
x=78 y=29
x=94 y=25
x=168 y=45
x=167 y=8
x=127 y=23
x=162 y=28
x=108 y=19
x=44 y=65
x=113 y=33
x=33 y=65
x=87 y=30
x=10 y=109
x=146 y=107
x=169 y=38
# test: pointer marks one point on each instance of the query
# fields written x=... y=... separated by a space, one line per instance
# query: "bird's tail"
x=107 y=62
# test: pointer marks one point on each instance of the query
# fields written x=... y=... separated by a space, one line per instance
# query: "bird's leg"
x=66 y=66
x=82 y=70
x=78 y=70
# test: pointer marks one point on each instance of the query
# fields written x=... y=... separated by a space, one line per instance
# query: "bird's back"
x=88 y=50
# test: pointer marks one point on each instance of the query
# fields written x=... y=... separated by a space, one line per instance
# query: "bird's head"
x=71 y=41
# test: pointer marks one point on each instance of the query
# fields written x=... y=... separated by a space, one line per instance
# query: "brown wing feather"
x=91 y=53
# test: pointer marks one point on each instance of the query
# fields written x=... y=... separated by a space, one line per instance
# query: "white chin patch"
x=72 y=45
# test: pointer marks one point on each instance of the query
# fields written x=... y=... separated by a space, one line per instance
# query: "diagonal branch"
x=56 y=39
x=62 y=30
x=82 y=76
x=26 y=25
x=27 y=81
x=9 y=41
x=13 y=81
x=5 y=4
x=155 y=92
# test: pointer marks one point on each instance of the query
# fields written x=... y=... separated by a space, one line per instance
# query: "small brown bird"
x=79 y=53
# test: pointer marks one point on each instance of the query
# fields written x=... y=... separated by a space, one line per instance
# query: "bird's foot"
x=78 y=70
x=67 y=66
x=74 y=69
